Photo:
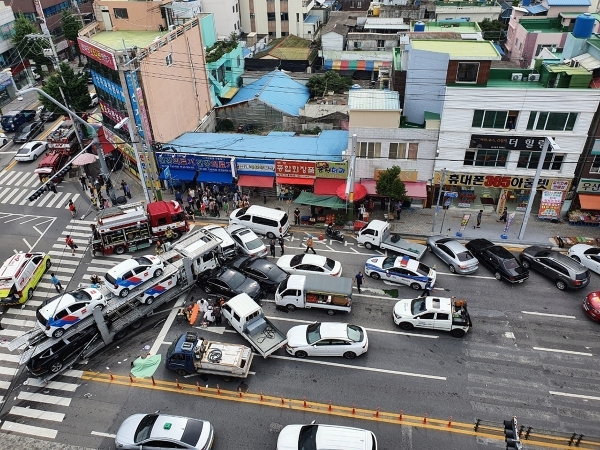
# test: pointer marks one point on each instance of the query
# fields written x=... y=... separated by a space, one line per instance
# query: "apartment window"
x=352 y=4
x=530 y=160
x=397 y=150
x=284 y=33
x=169 y=59
x=380 y=43
x=486 y=158
x=413 y=150
x=551 y=121
x=271 y=34
x=357 y=44
x=494 y=119
x=359 y=4
x=121 y=13
x=284 y=17
x=271 y=16
x=467 y=72
x=369 y=150
x=237 y=8
x=235 y=26
x=252 y=15
x=595 y=165
x=297 y=17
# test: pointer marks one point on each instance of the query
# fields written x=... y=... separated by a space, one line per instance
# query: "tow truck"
x=123 y=313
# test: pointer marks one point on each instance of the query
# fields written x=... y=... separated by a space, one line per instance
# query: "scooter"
x=335 y=234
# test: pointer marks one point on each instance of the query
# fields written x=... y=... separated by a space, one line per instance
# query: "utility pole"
x=350 y=179
x=437 y=206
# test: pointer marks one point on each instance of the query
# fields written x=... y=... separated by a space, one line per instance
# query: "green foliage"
x=390 y=185
x=74 y=87
x=492 y=29
x=221 y=48
x=318 y=85
x=312 y=131
x=71 y=26
x=29 y=48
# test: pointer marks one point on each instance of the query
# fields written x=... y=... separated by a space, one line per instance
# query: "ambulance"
x=19 y=276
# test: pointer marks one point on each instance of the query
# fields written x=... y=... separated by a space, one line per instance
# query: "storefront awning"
x=370 y=185
x=327 y=186
x=368 y=65
x=326 y=201
x=589 y=201
x=416 y=189
x=215 y=177
x=295 y=181
x=255 y=181
x=180 y=175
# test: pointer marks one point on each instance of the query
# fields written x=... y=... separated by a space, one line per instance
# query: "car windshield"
x=145 y=428
x=81 y=295
x=510 y=264
x=284 y=220
x=418 y=305
x=389 y=262
x=232 y=278
x=297 y=259
x=143 y=261
x=465 y=256
x=313 y=333
x=355 y=333
x=307 y=440
x=329 y=264
x=423 y=270
x=254 y=244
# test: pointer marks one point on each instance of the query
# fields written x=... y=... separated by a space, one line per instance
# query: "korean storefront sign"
x=247 y=166
x=132 y=84
x=550 y=204
x=111 y=113
x=588 y=186
x=194 y=162
x=295 y=169
x=97 y=54
x=326 y=169
x=501 y=181
x=107 y=86
x=507 y=142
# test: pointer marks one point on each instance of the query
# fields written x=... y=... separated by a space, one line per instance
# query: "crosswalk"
x=15 y=187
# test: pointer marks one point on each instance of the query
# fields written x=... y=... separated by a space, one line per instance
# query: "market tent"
x=589 y=201
x=326 y=201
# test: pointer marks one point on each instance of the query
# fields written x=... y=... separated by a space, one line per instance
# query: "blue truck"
x=12 y=120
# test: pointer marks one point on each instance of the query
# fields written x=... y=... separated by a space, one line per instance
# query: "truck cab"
x=167 y=215
x=377 y=233
x=50 y=164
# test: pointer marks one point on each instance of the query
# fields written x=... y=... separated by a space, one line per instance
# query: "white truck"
x=445 y=314
x=315 y=291
x=377 y=234
x=248 y=319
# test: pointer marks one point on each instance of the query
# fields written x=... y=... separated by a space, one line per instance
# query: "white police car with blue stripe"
x=401 y=270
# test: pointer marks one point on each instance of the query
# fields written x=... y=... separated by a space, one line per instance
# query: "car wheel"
x=406 y=326
x=58 y=333
x=561 y=285
x=429 y=249
x=300 y=354
x=124 y=293
x=290 y=307
x=34 y=157
x=451 y=268
x=207 y=289
x=375 y=276
x=135 y=325
x=497 y=276
x=182 y=372
x=120 y=250
x=525 y=263
x=56 y=367
x=48 y=264
x=576 y=258
x=349 y=355
x=416 y=286
x=149 y=300
x=457 y=333
x=330 y=312
x=176 y=235
x=369 y=245
x=158 y=273
x=100 y=307
x=270 y=235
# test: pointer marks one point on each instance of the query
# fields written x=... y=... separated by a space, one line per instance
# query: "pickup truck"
x=446 y=314
x=377 y=234
x=12 y=120
x=248 y=319
x=193 y=354
x=315 y=291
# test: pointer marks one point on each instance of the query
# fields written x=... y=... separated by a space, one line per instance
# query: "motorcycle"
x=335 y=234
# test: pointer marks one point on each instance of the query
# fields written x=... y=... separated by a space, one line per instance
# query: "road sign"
x=451 y=194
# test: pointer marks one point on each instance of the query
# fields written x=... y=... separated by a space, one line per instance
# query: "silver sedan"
x=459 y=259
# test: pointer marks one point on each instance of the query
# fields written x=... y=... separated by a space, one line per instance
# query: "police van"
x=401 y=270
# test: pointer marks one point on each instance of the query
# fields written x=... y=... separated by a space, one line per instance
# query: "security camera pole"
x=120 y=125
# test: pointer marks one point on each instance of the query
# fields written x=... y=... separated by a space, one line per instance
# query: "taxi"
x=19 y=276
x=401 y=270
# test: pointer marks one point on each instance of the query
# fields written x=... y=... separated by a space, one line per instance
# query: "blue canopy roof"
x=536 y=9
x=569 y=3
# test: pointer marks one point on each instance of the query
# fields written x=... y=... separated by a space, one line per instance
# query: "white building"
x=227 y=16
x=279 y=18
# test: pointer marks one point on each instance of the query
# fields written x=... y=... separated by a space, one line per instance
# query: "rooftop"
x=115 y=39
x=569 y=2
x=371 y=99
x=464 y=50
x=311 y=19
x=339 y=22
x=287 y=48
x=448 y=25
x=449 y=4
x=551 y=25
x=328 y=145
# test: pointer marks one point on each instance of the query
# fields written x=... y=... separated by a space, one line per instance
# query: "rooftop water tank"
x=526 y=3
x=584 y=26
x=375 y=9
x=419 y=26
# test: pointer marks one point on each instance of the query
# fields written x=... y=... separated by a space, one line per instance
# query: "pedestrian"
x=503 y=216
x=100 y=181
x=217 y=314
x=272 y=247
x=203 y=306
x=209 y=317
x=265 y=196
x=56 y=282
x=95 y=203
x=447 y=203
x=178 y=196
x=296 y=216
x=398 y=210
x=383 y=203
x=159 y=247
x=106 y=204
x=191 y=193
x=123 y=186
x=479 y=215
x=361 y=212
x=310 y=244
x=109 y=186
x=127 y=191
x=72 y=245
x=426 y=292
x=225 y=205
x=358 y=279
x=281 y=243
x=72 y=208
x=190 y=201
x=52 y=187
x=83 y=180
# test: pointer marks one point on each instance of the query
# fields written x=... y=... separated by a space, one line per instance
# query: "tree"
x=71 y=26
x=492 y=30
x=390 y=185
x=29 y=48
x=318 y=85
x=74 y=87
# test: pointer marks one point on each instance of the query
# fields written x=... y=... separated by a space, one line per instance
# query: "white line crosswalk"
x=15 y=187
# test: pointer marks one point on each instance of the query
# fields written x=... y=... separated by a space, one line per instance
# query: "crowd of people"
x=208 y=313
x=212 y=200
x=99 y=199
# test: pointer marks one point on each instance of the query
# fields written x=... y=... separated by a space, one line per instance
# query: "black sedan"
x=28 y=132
x=49 y=116
x=268 y=274
x=227 y=283
x=63 y=353
x=500 y=261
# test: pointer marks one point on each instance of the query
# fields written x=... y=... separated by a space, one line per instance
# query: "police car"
x=401 y=270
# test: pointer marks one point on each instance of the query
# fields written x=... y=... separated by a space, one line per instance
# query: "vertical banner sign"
x=509 y=219
x=144 y=116
x=550 y=204
x=131 y=80
x=464 y=222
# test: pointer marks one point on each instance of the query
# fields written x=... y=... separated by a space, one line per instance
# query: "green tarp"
x=326 y=201
x=145 y=367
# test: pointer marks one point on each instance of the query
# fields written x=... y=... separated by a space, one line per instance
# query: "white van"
x=267 y=221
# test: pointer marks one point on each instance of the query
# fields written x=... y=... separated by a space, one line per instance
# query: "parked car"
x=327 y=339
x=500 y=261
x=459 y=259
x=28 y=132
x=31 y=150
x=401 y=270
x=3 y=140
x=154 y=431
x=587 y=255
x=228 y=283
x=62 y=352
x=247 y=241
x=325 y=437
x=591 y=305
x=93 y=99
x=49 y=116
x=564 y=271
x=305 y=264
x=268 y=274
x=133 y=272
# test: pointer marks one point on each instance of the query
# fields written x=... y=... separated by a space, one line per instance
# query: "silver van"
x=266 y=221
x=227 y=244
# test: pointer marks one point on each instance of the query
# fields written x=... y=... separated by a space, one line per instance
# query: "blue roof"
x=569 y=3
x=536 y=9
x=276 y=89
x=499 y=48
x=311 y=19
x=327 y=146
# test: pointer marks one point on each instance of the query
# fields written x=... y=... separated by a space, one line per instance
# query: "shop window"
x=397 y=150
x=369 y=150
x=486 y=158
x=467 y=72
x=595 y=165
x=551 y=121
x=494 y=119
x=121 y=13
x=357 y=44
x=530 y=160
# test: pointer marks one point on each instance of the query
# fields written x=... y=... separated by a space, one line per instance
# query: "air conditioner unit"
x=533 y=77
x=516 y=77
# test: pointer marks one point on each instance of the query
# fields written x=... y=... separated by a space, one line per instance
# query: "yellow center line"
x=397 y=418
x=11 y=164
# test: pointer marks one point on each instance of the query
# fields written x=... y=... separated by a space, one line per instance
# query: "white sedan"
x=587 y=255
x=305 y=264
x=31 y=150
x=247 y=241
x=3 y=140
x=325 y=437
x=327 y=339
x=401 y=270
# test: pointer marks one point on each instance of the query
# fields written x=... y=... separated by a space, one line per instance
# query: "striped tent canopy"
x=344 y=64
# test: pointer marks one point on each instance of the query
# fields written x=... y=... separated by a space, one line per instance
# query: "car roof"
x=317 y=260
x=568 y=262
x=333 y=330
x=243 y=305
x=64 y=300
x=335 y=437
x=123 y=267
x=480 y=244
x=174 y=431
x=30 y=144
x=455 y=246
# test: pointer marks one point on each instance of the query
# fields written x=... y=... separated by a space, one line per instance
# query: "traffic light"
x=511 y=435
x=62 y=172
x=37 y=193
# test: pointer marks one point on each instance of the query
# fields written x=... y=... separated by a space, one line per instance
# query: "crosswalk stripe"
x=57 y=385
x=6 y=198
x=31 y=181
x=28 y=429
x=34 y=303
x=58 y=269
x=74 y=233
x=54 y=197
x=44 y=199
x=8 y=180
x=36 y=414
x=18 y=322
x=73 y=373
x=43 y=398
x=20 y=312
x=65 y=255
x=62 y=262
x=7 y=357
x=84 y=222
x=13 y=333
x=79 y=227
x=68 y=197
x=62 y=203
x=4 y=384
x=3 y=191
x=8 y=371
x=4 y=175
x=26 y=176
x=18 y=197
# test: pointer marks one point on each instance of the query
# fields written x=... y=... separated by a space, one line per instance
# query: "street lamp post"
x=350 y=180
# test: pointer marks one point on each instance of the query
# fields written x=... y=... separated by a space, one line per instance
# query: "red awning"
x=589 y=201
x=327 y=186
x=416 y=189
x=296 y=181
x=371 y=186
x=360 y=192
x=107 y=147
x=255 y=181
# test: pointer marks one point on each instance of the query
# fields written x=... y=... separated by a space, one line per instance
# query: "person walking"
x=426 y=292
x=479 y=215
x=72 y=208
x=503 y=216
x=71 y=244
x=281 y=244
x=361 y=212
x=398 y=209
x=159 y=247
x=217 y=314
x=264 y=196
x=203 y=305
x=56 y=282
x=83 y=181
x=358 y=279
x=94 y=201
x=52 y=187
x=272 y=247
x=296 y=216
x=310 y=244
x=178 y=196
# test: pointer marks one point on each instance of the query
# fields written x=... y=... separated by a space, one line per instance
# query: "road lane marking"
x=566 y=394
x=106 y=435
x=167 y=325
x=28 y=429
x=556 y=350
x=58 y=385
x=534 y=313
x=36 y=414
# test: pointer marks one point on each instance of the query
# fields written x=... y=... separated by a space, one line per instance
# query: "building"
x=7 y=24
x=226 y=14
x=354 y=5
x=470 y=11
x=335 y=32
x=289 y=53
x=406 y=9
x=280 y=18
